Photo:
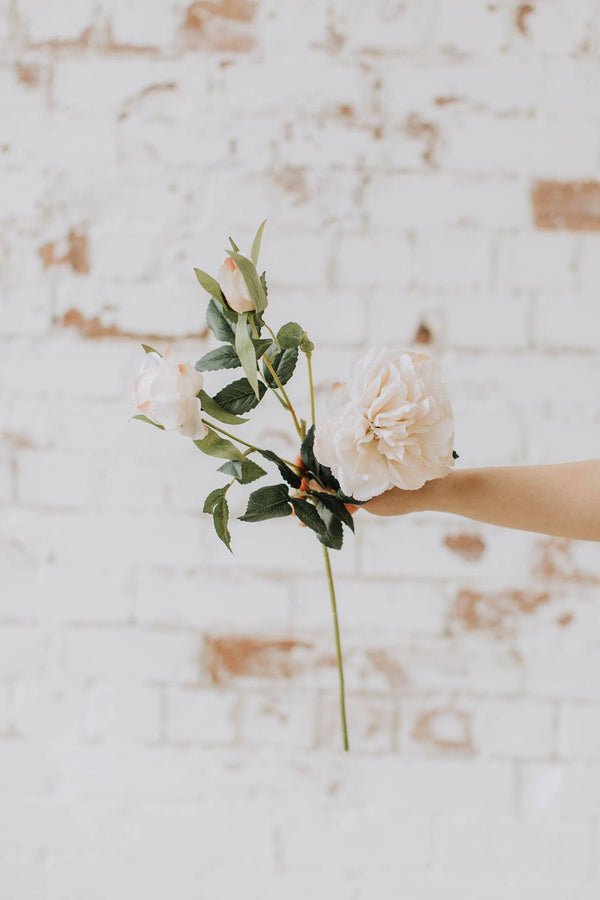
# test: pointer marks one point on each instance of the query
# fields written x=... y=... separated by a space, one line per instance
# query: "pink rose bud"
x=165 y=393
x=234 y=287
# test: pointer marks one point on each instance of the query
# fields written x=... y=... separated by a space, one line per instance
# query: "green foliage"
x=243 y=470
x=216 y=411
x=233 y=244
x=454 y=454
x=216 y=504
x=322 y=474
x=253 y=282
x=307 y=514
x=290 y=335
x=256 y=243
x=218 y=324
x=288 y=474
x=210 y=285
x=223 y=357
x=333 y=536
x=239 y=397
x=149 y=349
x=261 y=345
x=149 y=421
x=283 y=362
x=306 y=345
x=214 y=445
x=246 y=352
x=271 y=502
x=336 y=507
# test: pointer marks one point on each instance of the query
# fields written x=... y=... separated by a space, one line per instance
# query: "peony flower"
x=391 y=425
x=166 y=394
x=234 y=287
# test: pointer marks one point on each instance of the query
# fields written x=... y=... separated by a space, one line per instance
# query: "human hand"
x=397 y=502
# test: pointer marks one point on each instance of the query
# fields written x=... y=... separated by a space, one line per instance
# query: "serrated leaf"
x=210 y=284
x=245 y=350
x=220 y=520
x=288 y=474
x=284 y=363
x=223 y=357
x=336 y=507
x=253 y=282
x=271 y=502
x=256 y=243
x=149 y=421
x=290 y=335
x=213 y=409
x=218 y=324
x=263 y=281
x=149 y=349
x=245 y=471
x=239 y=397
x=212 y=498
x=307 y=514
x=214 y=445
x=322 y=474
x=334 y=534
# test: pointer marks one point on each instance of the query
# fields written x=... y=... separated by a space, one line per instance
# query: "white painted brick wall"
x=169 y=721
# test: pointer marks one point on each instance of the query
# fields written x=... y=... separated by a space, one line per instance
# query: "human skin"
x=562 y=499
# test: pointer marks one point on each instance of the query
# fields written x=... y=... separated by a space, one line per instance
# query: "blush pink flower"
x=234 y=287
x=165 y=392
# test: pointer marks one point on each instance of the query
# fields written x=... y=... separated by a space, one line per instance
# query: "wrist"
x=436 y=495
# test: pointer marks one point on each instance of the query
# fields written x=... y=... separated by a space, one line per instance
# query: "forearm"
x=562 y=499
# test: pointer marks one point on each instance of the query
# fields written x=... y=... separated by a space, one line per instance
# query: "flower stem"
x=234 y=437
x=275 y=376
x=312 y=387
x=337 y=646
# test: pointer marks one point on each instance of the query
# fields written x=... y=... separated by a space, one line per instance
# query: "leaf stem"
x=234 y=437
x=271 y=369
x=312 y=387
x=337 y=647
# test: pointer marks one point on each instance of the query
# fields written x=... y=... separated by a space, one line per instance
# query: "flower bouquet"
x=390 y=425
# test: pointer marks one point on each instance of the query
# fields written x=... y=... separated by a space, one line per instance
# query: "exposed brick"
x=495 y=611
x=573 y=206
x=444 y=729
x=76 y=254
x=469 y=546
x=255 y=657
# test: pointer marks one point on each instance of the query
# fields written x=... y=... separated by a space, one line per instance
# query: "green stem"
x=337 y=646
x=234 y=437
x=275 y=376
x=312 y=387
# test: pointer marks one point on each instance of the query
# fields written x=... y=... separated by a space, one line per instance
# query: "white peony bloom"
x=234 y=287
x=391 y=425
x=165 y=392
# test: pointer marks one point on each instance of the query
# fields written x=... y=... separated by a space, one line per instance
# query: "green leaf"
x=256 y=243
x=322 y=474
x=239 y=397
x=253 y=282
x=307 y=514
x=261 y=346
x=290 y=335
x=288 y=474
x=210 y=284
x=214 y=445
x=149 y=421
x=263 y=281
x=334 y=535
x=270 y=502
x=245 y=471
x=245 y=350
x=454 y=454
x=209 y=503
x=220 y=520
x=149 y=349
x=223 y=357
x=235 y=247
x=284 y=363
x=336 y=507
x=218 y=324
x=216 y=411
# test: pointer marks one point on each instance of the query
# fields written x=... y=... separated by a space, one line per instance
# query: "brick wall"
x=168 y=715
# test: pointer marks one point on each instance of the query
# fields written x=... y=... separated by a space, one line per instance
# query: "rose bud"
x=166 y=394
x=234 y=287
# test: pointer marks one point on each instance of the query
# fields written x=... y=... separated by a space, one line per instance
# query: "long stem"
x=234 y=437
x=338 y=647
x=312 y=387
x=275 y=376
